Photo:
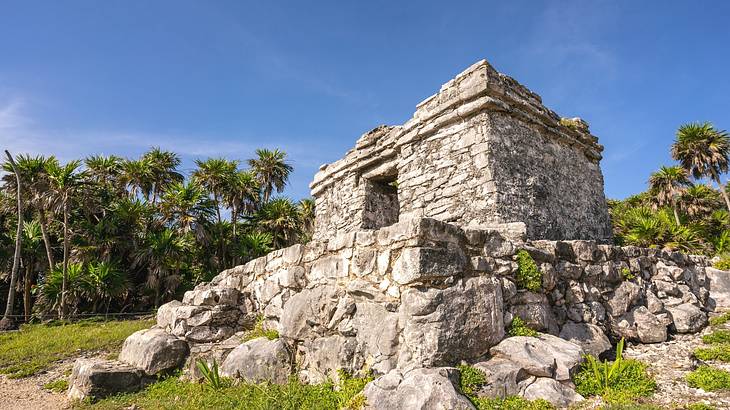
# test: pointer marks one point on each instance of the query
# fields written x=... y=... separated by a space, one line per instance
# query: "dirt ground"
x=29 y=394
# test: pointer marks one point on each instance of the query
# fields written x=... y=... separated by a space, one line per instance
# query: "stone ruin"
x=413 y=267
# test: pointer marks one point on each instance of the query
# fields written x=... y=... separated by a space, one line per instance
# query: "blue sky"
x=221 y=78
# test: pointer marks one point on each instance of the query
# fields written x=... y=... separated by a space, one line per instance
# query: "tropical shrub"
x=528 y=275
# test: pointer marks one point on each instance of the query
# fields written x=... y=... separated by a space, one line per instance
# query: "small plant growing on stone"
x=472 y=379
x=620 y=381
x=518 y=327
x=528 y=275
x=211 y=374
x=259 y=331
x=627 y=274
x=709 y=379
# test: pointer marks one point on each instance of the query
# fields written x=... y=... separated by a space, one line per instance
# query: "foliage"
x=57 y=386
x=175 y=394
x=700 y=406
x=36 y=347
x=259 y=331
x=619 y=381
x=720 y=320
x=472 y=379
x=724 y=262
x=627 y=274
x=720 y=352
x=718 y=336
x=518 y=327
x=528 y=275
x=709 y=379
x=211 y=374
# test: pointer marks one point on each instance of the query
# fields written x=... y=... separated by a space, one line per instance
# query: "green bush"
x=519 y=328
x=259 y=331
x=719 y=352
x=720 y=320
x=709 y=379
x=618 y=382
x=718 y=336
x=472 y=379
x=627 y=274
x=528 y=275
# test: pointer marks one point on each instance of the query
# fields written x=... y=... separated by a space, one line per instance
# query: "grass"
x=174 y=394
x=716 y=337
x=472 y=379
x=709 y=379
x=57 y=386
x=519 y=328
x=259 y=331
x=528 y=275
x=720 y=320
x=36 y=347
x=619 y=382
x=720 y=352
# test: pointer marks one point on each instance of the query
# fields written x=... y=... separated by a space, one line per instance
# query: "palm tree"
x=280 y=217
x=703 y=151
x=699 y=199
x=65 y=180
x=667 y=185
x=215 y=175
x=271 y=169
x=163 y=168
x=241 y=196
x=137 y=175
x=162 y=254
x=255 y=244
x=51 y=290
x=7 y=321
x=187 y=206
x=32 y=239
x=306 y=218
x=105 y=282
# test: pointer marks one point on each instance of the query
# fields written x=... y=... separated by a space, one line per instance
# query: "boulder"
x=542 y=356
x=649 y=327
x=588 y=336
x=559 y=394
x=96 y=379
x=623 y=297
x=308 y=312
x=154 y=351
x=204 y=296
x=687 y=318
x=534 y=309
x=719 y=286
x=422 y=264
x=259 y=360
x=503 y=377
x=418 y=389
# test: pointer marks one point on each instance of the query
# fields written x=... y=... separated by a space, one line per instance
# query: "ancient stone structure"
x=414 y=267
x=482 y=151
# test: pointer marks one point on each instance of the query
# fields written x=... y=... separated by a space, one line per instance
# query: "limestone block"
x=588 y=336
x=259 y=360
x=558 y=394
x=687 y=318
x=422 y=264
x=542 y=356
x=153 y=351
x=96 y=379
x=503 y=377
x=418 y=389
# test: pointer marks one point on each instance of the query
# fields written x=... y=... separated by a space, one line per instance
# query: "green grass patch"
x=716 y=337
x=259 y=331
x=700 y=406
x=709 y=379
x=36 y=347
x=528 y=275
x=720 y=352
x=618 y=382
x=518 y=327
x=174 y=394
x=57 y=386
x=631 y=406
x=720 y=320
x=472 y=379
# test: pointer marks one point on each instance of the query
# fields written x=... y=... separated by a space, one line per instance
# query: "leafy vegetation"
x=678 y=211
x=259 y=331
x=528 y=275
x=108 y=234
x=472 y=379
x=36 y=347
x=718 y=336
x=720 y=320
x=626 y=274
x=518 y=327
x=57 y=386
x=720 y=352
x=709 y=378
x=175 y=394
x=618 y=382
x=211 y=374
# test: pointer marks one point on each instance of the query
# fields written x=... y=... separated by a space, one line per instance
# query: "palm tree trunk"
x=722 y=189
x=18 y=238
x=234 y=220
x=26 y=291
x=46 y=238
x=676 y=214
x=65 y=256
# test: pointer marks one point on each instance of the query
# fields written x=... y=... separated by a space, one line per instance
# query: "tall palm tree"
x=163 y=168
x=271 y=169
x=667 y=185
x=306 y=217
x=138 y=176
x=187 y=206
x=241 y=196
x=699 y=199
x=7 y=321
x=280 y=217
x=215 y=175
x=106 y=282
x=65 y=180
x=32 y=239
x=703 y=151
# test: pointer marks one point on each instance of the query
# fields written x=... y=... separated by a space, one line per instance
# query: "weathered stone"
x=719 y=286
x=211 y=297
x=153 y=351
x=623 y=297
x=418 y=389
x=96 y=379
x=503 y=377
x=309 y=311
x=588 y=336
x=687 y=318
x=551 y=390
x=542 y=356
x=534 y=309
x=422 y=264
x=259 y=360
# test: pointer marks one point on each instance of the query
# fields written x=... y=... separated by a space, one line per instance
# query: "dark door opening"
x=381 y=202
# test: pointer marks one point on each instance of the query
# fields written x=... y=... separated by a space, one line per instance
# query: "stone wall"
x=482 y=151
x=423 y=293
